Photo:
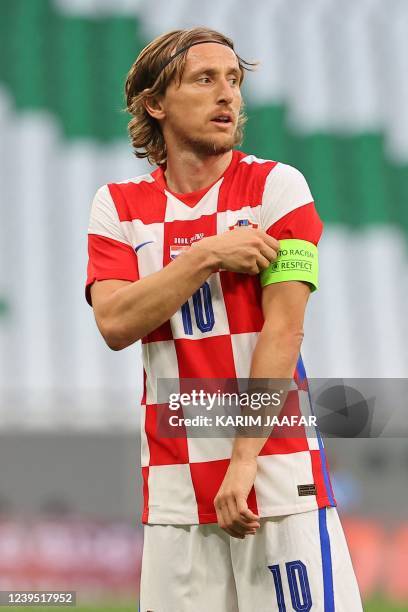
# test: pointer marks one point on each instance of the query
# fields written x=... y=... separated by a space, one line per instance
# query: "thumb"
x=244 y=511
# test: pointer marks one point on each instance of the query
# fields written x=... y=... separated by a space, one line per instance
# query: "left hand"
x=233 y=514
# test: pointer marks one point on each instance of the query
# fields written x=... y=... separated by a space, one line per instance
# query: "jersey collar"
x=193 y=197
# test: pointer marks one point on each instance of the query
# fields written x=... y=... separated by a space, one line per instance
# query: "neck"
x=187 y=171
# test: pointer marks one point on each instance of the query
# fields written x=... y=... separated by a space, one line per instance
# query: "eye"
x=203 y=79
x=235 y=78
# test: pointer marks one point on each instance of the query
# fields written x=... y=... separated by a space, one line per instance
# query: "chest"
x=157 y=244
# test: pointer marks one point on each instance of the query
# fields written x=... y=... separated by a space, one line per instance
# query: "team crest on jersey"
x=243 y=223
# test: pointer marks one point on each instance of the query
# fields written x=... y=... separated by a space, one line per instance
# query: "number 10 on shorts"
x=298 y=586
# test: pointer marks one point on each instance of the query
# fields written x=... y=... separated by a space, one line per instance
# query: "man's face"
x=202 y=112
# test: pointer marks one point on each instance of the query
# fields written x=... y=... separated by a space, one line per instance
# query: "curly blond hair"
x=147 y=79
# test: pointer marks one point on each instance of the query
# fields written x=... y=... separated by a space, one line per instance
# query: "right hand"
x=245 y=250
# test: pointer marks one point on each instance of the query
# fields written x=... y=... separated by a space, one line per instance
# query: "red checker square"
x=143 y=400
x=145 y=511
x=302 y=223
x=139 y=201
x=291 y=409
x=205 y=358
x=284 y=446
x=184 y=233
x=243 y=302
x=287 y=438
x=161 y=333
x=245 y=186
x=207 y=478
x=164 y=450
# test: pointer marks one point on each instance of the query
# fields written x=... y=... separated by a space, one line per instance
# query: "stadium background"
x=329 y=97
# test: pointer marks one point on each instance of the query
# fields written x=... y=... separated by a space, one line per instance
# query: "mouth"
x=222 y=119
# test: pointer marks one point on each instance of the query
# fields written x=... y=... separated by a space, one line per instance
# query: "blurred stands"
x=101 y=560
x=330 y=97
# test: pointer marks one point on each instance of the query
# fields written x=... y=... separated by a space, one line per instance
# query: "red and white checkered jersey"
x=136 y=228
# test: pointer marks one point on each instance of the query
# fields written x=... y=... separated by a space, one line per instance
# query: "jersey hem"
x=212 y=517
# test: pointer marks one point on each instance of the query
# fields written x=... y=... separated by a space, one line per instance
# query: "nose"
x=225 y=92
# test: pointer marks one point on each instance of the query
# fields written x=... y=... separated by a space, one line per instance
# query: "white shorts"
x=299 y=562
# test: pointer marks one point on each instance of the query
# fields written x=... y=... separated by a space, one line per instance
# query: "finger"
x=237 y=522
x=233 y=531
x=242 y=506
x=220 y=517
x=234 y=534
x=262 y=262
x=251 y=519
x=227 y=523
x=270 y=241
x=251 y=523
x=249 y=516
x=254 y=271
x=268 y=252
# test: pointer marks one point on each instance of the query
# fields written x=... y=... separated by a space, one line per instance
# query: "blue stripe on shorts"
x=326 y=562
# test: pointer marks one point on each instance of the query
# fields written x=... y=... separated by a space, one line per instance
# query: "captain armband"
x=297 y=260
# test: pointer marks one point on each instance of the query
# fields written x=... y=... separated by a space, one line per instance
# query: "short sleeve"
x=288 y=209
x=110 y=254
x=289 y=214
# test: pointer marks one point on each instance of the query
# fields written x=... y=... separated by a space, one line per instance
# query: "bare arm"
x=126 y=311
x=275 y=357
x=278 y=346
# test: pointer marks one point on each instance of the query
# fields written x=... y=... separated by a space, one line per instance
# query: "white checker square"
x=176 y=210
x=144 y=446
x=208 y=449
x=159 y=361
x=147 y=240
x=171 y=494
x=210 y=306
x=305 y=409
x=277 y=480
x=243 y=346
x=229 y=218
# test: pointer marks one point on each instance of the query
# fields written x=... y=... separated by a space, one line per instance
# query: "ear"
x=154 y=107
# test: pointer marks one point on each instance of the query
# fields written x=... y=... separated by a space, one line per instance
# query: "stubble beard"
x=209 y=146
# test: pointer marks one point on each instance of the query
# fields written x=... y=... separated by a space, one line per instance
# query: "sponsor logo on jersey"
x=243 y=223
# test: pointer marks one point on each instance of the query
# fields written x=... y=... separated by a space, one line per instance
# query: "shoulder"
x=286 y=192
x=130 y=186
x=275 y=174
x=252 y=165
x=108 y=191
x=287 y=185
x=137 y=180
x=124 y=197
x=286 y=176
